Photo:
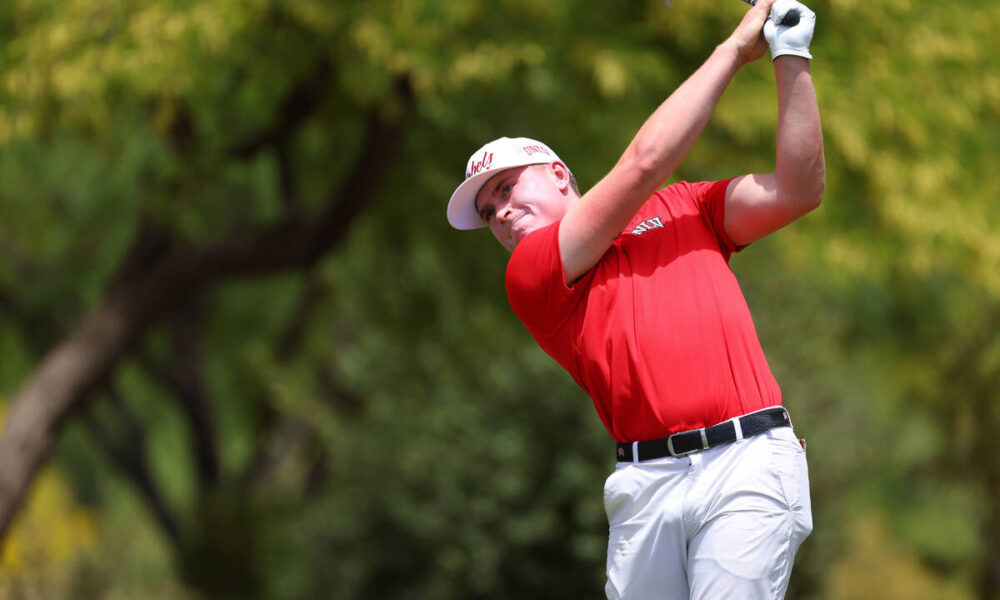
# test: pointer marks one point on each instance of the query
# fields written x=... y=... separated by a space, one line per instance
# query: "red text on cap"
x=529 y=150
x=480 y=165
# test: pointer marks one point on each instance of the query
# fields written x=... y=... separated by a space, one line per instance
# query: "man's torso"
x=658 y=332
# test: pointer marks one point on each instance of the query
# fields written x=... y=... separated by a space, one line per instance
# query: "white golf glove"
x=792 y=39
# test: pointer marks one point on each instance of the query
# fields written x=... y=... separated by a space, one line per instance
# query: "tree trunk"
x=65 y=375
x=72 y=369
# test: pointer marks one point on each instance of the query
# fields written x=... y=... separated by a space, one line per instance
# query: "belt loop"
x=739 y=429
x=635 y=453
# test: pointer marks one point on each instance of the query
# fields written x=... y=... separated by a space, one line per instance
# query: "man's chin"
x=515 y=237
x=519 y=234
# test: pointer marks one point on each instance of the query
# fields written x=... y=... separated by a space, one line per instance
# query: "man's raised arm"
x=758 y=204
x=592 y=223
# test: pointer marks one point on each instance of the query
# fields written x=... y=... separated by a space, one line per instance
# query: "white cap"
x=504 y=153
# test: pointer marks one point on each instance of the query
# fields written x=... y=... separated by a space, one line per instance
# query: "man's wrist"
x=791 y=63
x=729 y=51
x=797 y=53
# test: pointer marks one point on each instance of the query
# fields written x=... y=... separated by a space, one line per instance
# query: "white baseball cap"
x=486 y=162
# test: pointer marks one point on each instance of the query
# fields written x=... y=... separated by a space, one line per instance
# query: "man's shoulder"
x=680 y=190
x=542 y=240
x=697 y=195
x=535 y=283
x=534 y=259
x=667 y=202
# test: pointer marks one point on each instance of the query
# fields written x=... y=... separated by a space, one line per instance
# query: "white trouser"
x=720 y=523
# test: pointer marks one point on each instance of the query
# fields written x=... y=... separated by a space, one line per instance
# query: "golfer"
x=629 y=288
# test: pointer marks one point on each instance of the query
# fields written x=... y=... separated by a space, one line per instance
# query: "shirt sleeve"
x=710 y=197
x=535 y=282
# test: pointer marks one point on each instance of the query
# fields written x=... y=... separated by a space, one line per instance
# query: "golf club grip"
x=791 y=17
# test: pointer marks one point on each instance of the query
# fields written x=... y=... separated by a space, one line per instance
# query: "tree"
x=227 y=281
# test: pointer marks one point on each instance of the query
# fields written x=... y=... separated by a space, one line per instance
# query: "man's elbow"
x=813 y=197
x=804 y=193
x=798 y=201
x=642 y=162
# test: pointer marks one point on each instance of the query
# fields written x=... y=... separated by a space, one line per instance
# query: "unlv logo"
x=476 y=166
x=646 y=225
x=529 y=150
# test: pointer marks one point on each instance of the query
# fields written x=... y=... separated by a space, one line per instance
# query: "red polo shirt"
x=658 y=332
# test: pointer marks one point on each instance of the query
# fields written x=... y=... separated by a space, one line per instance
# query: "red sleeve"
x=535 y=281
x=710 y=197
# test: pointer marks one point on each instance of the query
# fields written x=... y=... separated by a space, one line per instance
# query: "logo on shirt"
x=646 y=225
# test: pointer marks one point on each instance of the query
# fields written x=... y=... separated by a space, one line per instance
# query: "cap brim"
x=462 y=206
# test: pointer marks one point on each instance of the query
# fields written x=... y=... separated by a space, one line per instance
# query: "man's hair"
x=572 y=179
x=572 y=182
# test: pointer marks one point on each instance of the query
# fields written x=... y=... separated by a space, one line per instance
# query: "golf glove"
x=793 y=39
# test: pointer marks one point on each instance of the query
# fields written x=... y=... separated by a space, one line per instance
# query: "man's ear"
x=562 y=176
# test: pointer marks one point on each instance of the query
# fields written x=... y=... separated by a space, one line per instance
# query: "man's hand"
x=747 y=38
x=792 y=40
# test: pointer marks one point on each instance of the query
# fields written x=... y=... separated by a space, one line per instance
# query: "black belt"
x=695 y=440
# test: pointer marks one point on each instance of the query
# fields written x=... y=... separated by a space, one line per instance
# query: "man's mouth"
x=515 y=235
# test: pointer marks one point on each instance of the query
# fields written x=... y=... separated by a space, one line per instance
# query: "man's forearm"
x=799 y=164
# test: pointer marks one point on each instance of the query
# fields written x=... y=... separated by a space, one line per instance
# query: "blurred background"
x=242 y=354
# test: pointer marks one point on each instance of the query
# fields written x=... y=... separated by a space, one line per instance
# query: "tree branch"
x=279 y=432
x=289 y=185
x=73 y=369
x=150 y=245
x=128 y=453
x=185 y=373
x=295 y=109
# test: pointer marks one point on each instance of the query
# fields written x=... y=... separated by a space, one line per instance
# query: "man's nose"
x=503 y=213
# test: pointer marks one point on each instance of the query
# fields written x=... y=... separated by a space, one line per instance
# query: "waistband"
x=695 y=440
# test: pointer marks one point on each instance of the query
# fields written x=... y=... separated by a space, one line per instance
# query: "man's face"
x=517 y=201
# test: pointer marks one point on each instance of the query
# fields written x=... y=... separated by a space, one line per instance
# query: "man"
x=629 y=289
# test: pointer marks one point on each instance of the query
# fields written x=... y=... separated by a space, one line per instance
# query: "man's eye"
x=486 y=215
x=506 y=190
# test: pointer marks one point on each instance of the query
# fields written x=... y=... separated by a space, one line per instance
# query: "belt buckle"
x=675 y=454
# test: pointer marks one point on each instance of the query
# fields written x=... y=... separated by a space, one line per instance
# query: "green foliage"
x=418 y=443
